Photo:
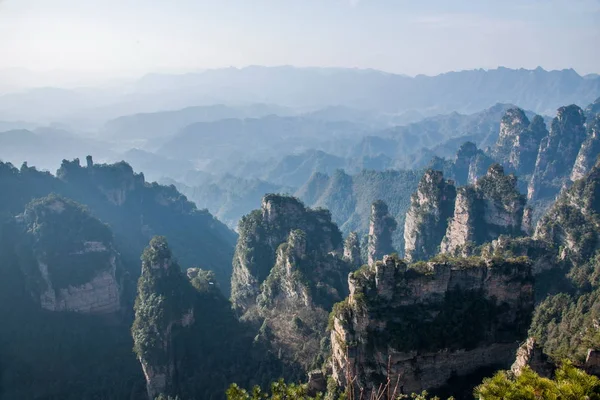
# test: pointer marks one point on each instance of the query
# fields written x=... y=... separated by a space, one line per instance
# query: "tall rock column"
x=427 y=218
x=352 y=250
x=484 y=211
x=513 y=126
x=381 y=227
x=589 y=150
x=558 y=152
x=163 y=304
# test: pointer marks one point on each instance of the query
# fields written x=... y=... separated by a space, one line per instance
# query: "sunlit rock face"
x=427 y=218
x=484 y=211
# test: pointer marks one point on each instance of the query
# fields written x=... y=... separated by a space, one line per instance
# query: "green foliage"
x=59 y=230
x=164 y=296
x=340 y=310
x=570 y=383
x=56 y=355
x=566 y=325
x=461 y=321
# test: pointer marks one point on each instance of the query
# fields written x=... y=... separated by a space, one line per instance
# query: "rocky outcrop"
x=288 y=272
x=590 y=149
x=572 y=223
x=352 y=250
x=531 y=355
x=294 y=301
x=137 y=210
x=592 y=362
x=75 y=260
x=163 y=305
x=427 y=218
x=478 y=167
x=262 y=232
x=557 y=153
x=518 y=141
x=395 y=325
x=462 y=162
x=484 y=211
x=98 y=296
x=381 y=227
x=593 y=109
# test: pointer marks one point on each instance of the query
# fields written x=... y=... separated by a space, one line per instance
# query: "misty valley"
x=296 y=232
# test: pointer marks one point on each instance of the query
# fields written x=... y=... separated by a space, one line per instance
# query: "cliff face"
x=295 y=300
x=427 y=218
x=288 y=272
x=163 y=304
x=531 y=355
x=263 y=231
x=558 y=152
x=586 y=158
x=399 y=319
x=352 y=250
x=484 y=211
x=518 y=141
x=572 y=223
x=137 y=210
x=381 y=227
x=72 y=265
x=469 y=164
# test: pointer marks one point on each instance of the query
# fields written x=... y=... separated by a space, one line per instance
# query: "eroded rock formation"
x=381 y=227
x=427 y=218
x=518 y=141
x=352 y=250
x=397 y=319
x=74 y=259
x=164 y=304
x=586 y=158
x=264 y=230
x=530 y=354
x=288 y=272
x=484 y=211
x=558 y=152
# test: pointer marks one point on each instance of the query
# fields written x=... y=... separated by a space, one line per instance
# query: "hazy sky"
x=403 y=36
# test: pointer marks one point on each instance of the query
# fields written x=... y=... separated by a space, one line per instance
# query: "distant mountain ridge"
x=464 y=91
x=310 y=88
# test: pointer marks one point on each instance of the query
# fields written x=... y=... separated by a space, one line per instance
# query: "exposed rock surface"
x=397 y=319
x=427 y=218
x=352 y=250
x=484 y=211
x=590 y=149
x=264 y=230
x=519 y=141
x=593 y=109
x=592 y=362
x=74 y=256
x=462 y=162
x=530 y=354
x=558 y=152
x=470 y=163
x=478 y=167
x=288 y=272
x=137 y=210
x=381 y=227
x=164 y=303
x=572 y=223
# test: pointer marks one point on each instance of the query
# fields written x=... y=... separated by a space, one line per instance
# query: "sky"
x=118 y=37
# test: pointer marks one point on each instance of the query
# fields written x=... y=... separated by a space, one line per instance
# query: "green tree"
x=570 y=383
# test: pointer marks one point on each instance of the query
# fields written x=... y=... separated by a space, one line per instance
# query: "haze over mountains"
x=309 y=88
x=297 y=191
